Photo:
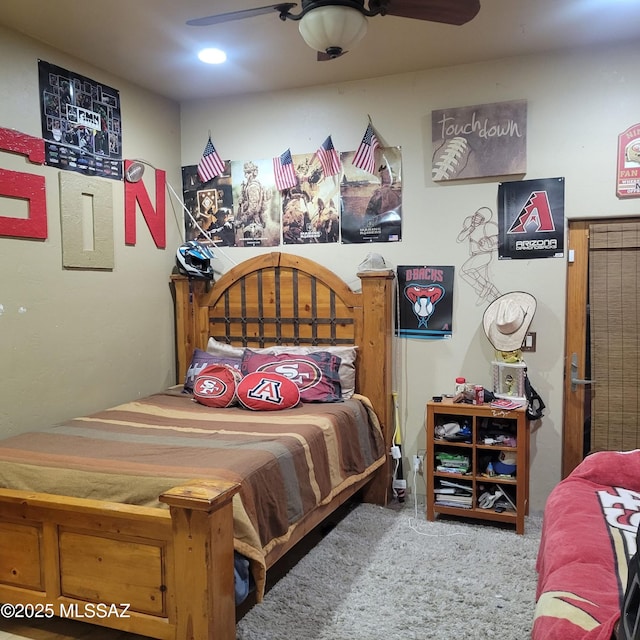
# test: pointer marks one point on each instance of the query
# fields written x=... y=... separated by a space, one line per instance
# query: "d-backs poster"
x=531 y=219
x=425 y=306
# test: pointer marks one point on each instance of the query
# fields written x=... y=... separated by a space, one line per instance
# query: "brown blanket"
x=288 y=462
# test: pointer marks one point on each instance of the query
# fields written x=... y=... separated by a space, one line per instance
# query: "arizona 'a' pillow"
x=265 y=391
x=315 y=374
x=200 y=360
x=216 y=385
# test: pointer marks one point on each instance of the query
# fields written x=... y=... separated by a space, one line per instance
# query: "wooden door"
x=613 y=247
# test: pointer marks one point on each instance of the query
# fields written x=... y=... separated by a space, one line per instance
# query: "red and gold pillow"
x=216 y=385
x=266 y=391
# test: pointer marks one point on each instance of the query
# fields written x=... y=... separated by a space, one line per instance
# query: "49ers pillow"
x=315 y=374
x=346 y=353
x=216 y=385
x=265 y=391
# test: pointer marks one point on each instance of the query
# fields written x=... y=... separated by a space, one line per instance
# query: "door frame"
x=575 y=342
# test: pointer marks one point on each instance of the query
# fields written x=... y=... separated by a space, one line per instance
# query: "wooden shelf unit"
x=482 y=420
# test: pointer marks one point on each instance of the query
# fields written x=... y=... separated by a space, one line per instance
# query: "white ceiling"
x=148 y=42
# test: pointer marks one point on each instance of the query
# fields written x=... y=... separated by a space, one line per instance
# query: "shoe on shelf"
x=487 y=500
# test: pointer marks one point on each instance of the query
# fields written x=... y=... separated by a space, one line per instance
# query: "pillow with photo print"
x=200 y=360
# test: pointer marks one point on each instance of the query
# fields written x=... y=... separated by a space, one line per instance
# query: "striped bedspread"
x=288 y=462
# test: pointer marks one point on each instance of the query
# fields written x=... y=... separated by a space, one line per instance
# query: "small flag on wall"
x=329 y=158
x=210 y=165
x=283 y=171
x=365 y=157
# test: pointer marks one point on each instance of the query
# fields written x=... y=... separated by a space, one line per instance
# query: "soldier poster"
x=256 y=204
x=372 y=204
x=210 y=207
x=531 y=219
x=311 y=209
x=425 y=306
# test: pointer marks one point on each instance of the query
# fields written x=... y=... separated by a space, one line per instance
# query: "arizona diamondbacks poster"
x=531 y=219
x=425 y=306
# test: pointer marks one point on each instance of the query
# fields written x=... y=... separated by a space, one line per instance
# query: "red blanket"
x=589 y=534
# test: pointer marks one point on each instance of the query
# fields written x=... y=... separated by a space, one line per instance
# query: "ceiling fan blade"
x=456 y=12
x=240 y=15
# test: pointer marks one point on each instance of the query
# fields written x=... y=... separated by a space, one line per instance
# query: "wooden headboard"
x=283 y=299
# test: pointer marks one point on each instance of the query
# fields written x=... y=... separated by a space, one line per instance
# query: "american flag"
x=210 y=165
x=365 y=157
x=283 y=170
x=329 y=158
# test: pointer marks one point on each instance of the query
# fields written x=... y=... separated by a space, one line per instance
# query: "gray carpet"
x=385 y=574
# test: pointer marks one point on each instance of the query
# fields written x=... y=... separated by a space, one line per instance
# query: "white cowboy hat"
x=506 y=320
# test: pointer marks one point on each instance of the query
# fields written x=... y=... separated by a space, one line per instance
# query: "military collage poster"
x=242 y=207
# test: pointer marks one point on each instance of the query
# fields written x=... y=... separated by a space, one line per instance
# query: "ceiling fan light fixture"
x=333 y=29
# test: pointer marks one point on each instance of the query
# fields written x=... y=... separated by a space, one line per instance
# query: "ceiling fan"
x=333 y=27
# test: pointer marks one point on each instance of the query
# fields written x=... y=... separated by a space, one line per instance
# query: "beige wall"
x=76 y=341
x=578 y=103
x=88 y=339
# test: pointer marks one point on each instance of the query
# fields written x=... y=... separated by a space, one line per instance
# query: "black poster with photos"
x=81 y=123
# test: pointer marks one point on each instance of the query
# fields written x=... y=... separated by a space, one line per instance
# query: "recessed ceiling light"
x=212 y=56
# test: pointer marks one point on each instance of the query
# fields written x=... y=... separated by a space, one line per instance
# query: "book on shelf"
x=456 y=485
x=451 y=503
x=454 y=497
x=460 y=470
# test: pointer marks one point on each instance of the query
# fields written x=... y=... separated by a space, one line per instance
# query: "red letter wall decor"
x=25 y=186
x=136 y=193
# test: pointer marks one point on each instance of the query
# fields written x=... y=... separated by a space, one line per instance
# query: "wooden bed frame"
x=169 y=573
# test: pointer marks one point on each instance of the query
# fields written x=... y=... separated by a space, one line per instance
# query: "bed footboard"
x=164 y=574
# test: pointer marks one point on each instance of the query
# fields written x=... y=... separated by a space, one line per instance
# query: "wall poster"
x=479 y=141
x=81 y=123
x=628 y=185
x=372 y=204
x=243 y=207
x=425 y=305
x=311 y=209
x=531 y=219
x=240 y=208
